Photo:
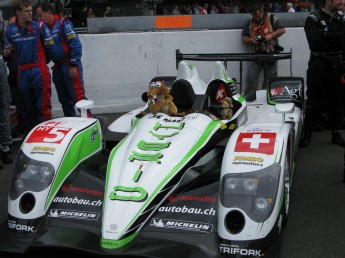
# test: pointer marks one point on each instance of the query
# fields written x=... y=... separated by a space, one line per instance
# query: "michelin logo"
x=182 y=225
x=67 y=214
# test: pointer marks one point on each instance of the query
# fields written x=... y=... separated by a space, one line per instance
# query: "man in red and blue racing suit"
x=68 y=70
x=33 y=47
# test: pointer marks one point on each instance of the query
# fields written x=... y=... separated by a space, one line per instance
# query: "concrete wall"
x=197 y=22
x=119 y=66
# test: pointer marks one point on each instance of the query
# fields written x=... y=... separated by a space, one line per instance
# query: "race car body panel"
x=199 y=185
x=158 y=148
x=252 y=188
x=48 y=155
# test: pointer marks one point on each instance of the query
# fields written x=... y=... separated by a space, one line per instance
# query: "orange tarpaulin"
x=172 y=22
x=304 y=4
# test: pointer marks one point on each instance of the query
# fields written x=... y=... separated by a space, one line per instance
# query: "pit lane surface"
x=316 y=226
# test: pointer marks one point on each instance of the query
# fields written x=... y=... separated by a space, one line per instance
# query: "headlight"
x=250 y=185
x=241 y=185
x=262 y=205
x=232 y=185
x=254 y=192
x=30 y=175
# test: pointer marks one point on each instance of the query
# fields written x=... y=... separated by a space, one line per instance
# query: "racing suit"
x=33 y=47
x=68 y=53
x=16 y=96
x=325 y=35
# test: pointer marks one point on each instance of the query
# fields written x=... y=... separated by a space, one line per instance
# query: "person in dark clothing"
x=325 y=30
x=5 y=124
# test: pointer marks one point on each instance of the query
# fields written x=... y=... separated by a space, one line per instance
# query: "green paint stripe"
x=272 y=102
x=113 y=244
x=225 y=75
x=205 y=135
x=241 y=99
x=112 y=154
x=79 y=149
x=196 y=147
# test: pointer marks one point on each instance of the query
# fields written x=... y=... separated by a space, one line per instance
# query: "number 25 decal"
x=57 y=135
x=48 y=134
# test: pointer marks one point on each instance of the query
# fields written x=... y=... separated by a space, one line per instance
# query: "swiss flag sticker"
x=221 y=93
x=258 y=142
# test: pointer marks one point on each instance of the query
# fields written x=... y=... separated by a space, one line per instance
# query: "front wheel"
x=287 y=186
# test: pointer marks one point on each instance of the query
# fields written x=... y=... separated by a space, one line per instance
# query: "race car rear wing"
x=231 y=57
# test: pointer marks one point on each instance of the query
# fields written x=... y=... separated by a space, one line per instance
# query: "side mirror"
x=284 y=109
x=83 y=106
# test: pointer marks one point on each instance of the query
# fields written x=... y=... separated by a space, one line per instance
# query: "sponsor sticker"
x=73 y=214
x=190 y=117
x=93 y=135
x=112 y=230
x=188 y=210
x=248 y=160
x=257 y=142
x=182 y=225
x=48 y=134
x=285 y=92
x=78 y=201
x=70 y=188
x=235 y=249
x=12 y=224
x=43 y=150
x=258 y=130
x=176 y=197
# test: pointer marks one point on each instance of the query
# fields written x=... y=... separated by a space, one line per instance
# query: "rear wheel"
x=287 y=186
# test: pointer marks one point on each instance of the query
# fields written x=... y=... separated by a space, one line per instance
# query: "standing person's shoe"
x=338 y=139
x=305 y=141
x=7 y=157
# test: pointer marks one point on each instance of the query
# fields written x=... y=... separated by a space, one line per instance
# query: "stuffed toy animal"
x=226 y=110
x=159 y=99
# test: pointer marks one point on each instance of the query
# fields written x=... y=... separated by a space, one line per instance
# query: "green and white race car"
x=190 y=186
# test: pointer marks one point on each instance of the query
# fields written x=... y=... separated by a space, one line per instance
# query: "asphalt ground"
x=316 y=225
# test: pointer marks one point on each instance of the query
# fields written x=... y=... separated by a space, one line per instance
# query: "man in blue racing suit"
x=33 y=47
x=68 y=70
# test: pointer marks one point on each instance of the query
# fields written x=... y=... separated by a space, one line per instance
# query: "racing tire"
x=287 y=188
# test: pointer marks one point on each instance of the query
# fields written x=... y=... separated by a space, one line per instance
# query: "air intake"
x=234 y=222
